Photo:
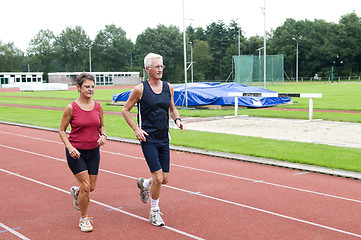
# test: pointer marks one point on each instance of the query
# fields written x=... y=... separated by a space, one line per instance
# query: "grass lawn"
x=316 y=154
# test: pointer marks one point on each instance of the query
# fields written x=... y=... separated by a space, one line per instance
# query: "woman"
x=85 y=117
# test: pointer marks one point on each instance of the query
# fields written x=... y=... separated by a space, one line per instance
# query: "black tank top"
x=153 y=112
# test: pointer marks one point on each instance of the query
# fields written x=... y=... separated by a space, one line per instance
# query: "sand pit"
x=317 y=131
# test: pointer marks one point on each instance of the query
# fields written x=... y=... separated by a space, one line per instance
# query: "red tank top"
x=85 y=127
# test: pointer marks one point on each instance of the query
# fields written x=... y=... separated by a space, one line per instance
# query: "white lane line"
x=217 y=199
x=273 y=184
x=19 y=235
x=99 y=203
x=246 y=179
x=213 y=172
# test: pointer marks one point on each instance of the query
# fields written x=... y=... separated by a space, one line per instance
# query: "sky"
x=21 y=20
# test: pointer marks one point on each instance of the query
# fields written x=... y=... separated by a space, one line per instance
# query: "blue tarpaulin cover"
x=217 y=94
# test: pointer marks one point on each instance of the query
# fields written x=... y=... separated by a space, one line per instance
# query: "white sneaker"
x=144 y=193
x=155 y=218
x=74 y=191
x=85 y=224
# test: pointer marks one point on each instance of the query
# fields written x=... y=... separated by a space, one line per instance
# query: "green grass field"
x=335 y=97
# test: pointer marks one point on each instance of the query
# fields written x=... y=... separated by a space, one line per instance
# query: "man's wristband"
x=106 y=136
x=175 y=120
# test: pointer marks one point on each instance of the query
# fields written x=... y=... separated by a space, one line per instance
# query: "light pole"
x=264 y=44
x=191 y=61
x=185 y=59
x=296 y=39
x=90 y=58
x=239 y=42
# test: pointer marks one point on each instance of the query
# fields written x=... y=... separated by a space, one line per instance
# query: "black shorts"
x=156 y=154
x=88 y=160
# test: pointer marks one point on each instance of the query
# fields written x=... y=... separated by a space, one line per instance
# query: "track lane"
x=111 y=159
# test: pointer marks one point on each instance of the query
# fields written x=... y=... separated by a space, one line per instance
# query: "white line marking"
x=99 y=203
x=269 y=212
x=193 y=193
x=272 y=184
x=201 y=170
x=14 y=232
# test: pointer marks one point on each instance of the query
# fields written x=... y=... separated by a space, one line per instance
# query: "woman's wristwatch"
x=175 y=120
x=106 y=136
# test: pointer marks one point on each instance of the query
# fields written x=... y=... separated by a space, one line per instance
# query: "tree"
x=202 y=59
x=349 y=43
x=11 y=58
x=72 y=46
x=223 y=42
x=41 y=52
x=166 y=41
x=111 y=50
x=252 y=44
x=199 y=34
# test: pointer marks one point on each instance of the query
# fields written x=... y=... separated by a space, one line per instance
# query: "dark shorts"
x=89 y=160
x=156 y=154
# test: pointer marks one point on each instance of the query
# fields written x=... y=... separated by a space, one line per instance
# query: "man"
x=155 y=103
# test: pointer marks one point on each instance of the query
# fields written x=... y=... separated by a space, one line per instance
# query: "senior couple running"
x=154 y=99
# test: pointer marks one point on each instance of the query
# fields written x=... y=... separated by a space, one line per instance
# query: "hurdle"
x=310 y=96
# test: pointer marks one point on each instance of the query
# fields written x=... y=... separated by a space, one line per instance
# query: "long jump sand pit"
x=317 y=131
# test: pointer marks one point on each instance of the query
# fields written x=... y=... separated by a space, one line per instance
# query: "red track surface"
x=207 y=197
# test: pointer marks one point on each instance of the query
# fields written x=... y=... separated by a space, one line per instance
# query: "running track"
x=207 y=197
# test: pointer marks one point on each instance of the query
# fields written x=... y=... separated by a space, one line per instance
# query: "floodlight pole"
x=297 y=62
x=264 y=46
x=90 y=59
x=239 y=42
x=191 y=61
x=185 y=58
x=296 y=39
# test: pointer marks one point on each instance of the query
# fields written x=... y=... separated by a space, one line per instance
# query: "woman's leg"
x=83 y=179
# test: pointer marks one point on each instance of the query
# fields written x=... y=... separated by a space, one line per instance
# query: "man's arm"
x=134 y=97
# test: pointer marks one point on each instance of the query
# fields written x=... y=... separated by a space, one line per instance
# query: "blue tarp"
x=216 y=94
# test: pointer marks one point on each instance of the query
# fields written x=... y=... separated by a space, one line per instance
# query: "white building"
x=102 y=78
x=16 y=78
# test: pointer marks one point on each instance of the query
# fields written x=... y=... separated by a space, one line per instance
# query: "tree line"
x=321 y=46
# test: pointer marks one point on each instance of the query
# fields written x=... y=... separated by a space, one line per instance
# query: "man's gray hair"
x=149 y=57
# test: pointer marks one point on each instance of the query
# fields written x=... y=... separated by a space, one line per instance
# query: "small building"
x=17 y=78
x=101 y=78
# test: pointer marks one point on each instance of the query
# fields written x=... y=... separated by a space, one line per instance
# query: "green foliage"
x=111 y=50
x=166 y=41
x=202 y=59
x=41 y=55
x=72 y=45
x=321 y=44
x=222 y=40
x=11 y=58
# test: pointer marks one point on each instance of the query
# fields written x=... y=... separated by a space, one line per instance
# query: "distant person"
x=155 y=103
x=85 y=117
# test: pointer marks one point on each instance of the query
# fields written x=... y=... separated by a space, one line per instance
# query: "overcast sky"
x=21 y=20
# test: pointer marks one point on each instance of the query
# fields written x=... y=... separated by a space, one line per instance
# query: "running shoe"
x=144 y=193
x=155 y=218
x=74 y=191
x=85 y=224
